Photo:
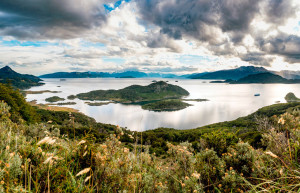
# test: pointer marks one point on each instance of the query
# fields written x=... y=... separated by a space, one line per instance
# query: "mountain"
x=233 y=74
x=136 y=93
x=264 y=78
x=131 y=74
x=21 y=81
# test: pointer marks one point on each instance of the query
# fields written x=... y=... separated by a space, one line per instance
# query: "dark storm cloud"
x=284 y=45
x=205 y=20
x=49 y=18
x=257 y=59
x=279 y=10
x=199 y=18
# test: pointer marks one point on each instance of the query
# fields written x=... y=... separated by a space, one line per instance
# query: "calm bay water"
x=226 y=102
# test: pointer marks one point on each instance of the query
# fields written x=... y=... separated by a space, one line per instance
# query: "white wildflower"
x=271 y=154
x=87 y=178
x=47 y=140
x=51 y=159
x=48 y=160
x=84 y=153
x=81 y=142
x=196 y=175
x=84 y=171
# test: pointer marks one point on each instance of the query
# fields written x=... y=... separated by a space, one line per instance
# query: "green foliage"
x=40 y=158
x=21 y=81
x=240 y=158
x=210 y=167
x=220 y=140
x=19 y=108
x=78 y=122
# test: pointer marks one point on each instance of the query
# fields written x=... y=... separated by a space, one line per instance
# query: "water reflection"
x=227 y=102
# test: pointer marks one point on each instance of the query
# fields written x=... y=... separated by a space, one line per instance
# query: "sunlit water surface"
x=226 y=102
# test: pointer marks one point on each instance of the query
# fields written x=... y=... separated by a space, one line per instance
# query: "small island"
x=97 y=103
x=66 y=103
x=195 y=100
x=136 y=93
x=54 y=99
x=71 y=97
x=166 y=105
x=291 y=97
x=40 y=91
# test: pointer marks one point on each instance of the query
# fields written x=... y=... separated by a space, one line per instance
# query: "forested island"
x=136 y=93
x=291 y=97
x=166 y=105
x=54 y=99
x=152 y=97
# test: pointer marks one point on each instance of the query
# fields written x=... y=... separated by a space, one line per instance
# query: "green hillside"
x=21 y=81
x=264 y=78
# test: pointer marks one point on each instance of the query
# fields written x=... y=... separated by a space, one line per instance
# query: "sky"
x=165 y=36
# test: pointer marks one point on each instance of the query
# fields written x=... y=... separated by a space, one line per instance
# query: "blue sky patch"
x=116 y=5
x=12 y=43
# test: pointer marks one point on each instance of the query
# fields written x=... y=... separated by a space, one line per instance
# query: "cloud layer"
x=151 y=35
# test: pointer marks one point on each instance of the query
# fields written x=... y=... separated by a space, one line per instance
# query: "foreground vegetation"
x=70 y=152
x=38 y=158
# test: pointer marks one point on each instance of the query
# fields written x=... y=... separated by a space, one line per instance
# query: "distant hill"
x=21 y=81
x=136 y=93
x=128 y=74
x=264 y=78
x=234 y=74
x=290 y=97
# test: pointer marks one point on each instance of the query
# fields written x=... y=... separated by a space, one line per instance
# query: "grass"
x=52 y=108
x=39 y=158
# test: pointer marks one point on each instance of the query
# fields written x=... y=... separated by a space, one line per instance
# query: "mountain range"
x=126 y=74
x=21 y=81
x=260 y=78
x=233 y=74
